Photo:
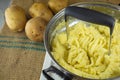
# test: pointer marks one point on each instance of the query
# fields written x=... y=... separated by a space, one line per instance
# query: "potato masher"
x=90 y=15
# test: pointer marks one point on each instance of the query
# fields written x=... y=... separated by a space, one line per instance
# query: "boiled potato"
x=41 y=10
x=57 y=5
x=34 y=29
x=15 y=18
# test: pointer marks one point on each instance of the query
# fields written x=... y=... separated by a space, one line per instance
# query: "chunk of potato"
x=41 y=10
x=15 y=18
x=57 y=5
x=35 y=29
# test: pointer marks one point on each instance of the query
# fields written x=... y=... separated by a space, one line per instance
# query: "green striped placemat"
x=21 y=43
x=20 y=58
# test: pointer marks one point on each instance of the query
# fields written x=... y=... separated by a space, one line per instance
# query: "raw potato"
x=34 y=29
x=41 y=10
x=57 y=5
x=15 y=18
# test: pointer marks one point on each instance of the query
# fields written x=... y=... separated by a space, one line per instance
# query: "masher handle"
x=90 y=15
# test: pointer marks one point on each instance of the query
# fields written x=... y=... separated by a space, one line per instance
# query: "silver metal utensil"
x=89 y=15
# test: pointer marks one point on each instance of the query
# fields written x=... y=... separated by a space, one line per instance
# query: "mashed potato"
x=87 y=55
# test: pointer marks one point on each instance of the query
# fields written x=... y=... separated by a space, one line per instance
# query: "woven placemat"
x=20 y=58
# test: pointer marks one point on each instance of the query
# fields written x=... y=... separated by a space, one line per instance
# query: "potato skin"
x=41 y=10
x=15 y=18
x=35 y=29
x=57 y=5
